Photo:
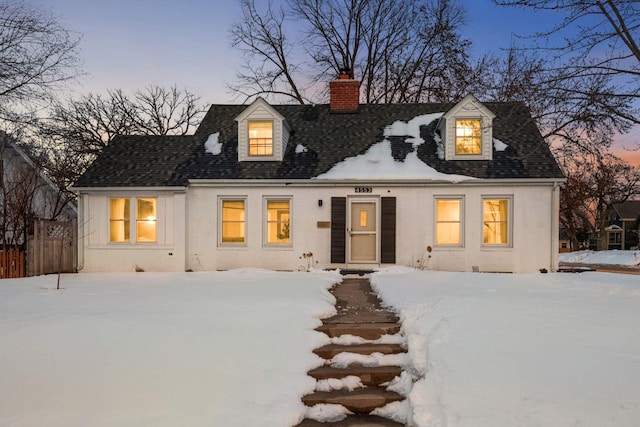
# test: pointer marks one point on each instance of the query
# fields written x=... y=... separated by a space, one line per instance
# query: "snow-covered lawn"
x=503 y=350
x=143 y=349
x=601 y=257
x=232 y=348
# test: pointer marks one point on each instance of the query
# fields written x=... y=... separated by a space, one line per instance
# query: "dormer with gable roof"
x=262 y=133
x=467 y=131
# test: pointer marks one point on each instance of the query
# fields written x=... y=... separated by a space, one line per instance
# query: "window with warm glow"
x=260 y=138
x=119 y=220
x=146 y=220
x=495 y=213
x=448 y=225
x=120 y=214
x=233 y=221
x=278 y=222
x=468 y=136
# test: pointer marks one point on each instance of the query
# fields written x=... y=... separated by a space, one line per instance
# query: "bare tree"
x=575 y=200
x=79 y=129
x=581 y=111
x=268 y=68
x=25 y=193
x=401 y=51
x=37 y=56
x=596 y=181
x=594 y=52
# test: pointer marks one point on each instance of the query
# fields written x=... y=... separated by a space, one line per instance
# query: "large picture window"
x=120 y=214
x=278 y=230
x=449 y=222
x=232 y=227
x=496 y=214
x=261 y=138
x=468 y=136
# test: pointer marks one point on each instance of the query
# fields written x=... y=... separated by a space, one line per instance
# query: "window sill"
x=448 y=247
x=469 y=157
x=490 y=248
x=131 y=246
x=272 y=247
x=231 y=246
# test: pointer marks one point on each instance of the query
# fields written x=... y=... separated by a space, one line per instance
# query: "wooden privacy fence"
x=52 y=248
x=11 y=263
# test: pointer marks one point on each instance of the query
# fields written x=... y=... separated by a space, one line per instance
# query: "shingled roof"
x=328 y=138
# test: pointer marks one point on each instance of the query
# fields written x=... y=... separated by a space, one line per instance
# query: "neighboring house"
x=564 y=241
x=623 y=225
x=466 y=187
x=26 y=194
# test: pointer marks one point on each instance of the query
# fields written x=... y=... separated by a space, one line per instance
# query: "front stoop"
x=359 y=313
x=354 y=421
x=369 y=375
x=368 y=331
x=330 y=350
x=358 y=401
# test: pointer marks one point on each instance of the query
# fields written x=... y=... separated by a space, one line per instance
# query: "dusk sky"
x=130 y=44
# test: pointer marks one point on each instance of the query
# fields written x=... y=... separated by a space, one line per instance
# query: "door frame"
x=363 y=199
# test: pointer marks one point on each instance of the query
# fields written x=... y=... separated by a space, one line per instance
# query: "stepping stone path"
x=359 y=313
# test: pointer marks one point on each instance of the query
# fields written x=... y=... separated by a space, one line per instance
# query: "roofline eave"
x=360 y=182
x=173 y=189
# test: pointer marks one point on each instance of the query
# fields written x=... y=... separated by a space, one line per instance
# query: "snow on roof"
x=378 y=162
x=212 y=145
x=499 y=145
x=411 y=128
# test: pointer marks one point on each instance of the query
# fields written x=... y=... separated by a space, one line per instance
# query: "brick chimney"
x=344 y=94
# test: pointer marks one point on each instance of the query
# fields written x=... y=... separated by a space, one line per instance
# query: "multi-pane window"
x=119 y=220
x=495 y=214
x=468 y=136
x=448 y=221
x=615 y=237
x=120 y=214
x=278 y=229
x=232 y=227
x=146 y=220
x=261 y=138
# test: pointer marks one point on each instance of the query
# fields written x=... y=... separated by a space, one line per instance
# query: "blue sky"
x=129 y=44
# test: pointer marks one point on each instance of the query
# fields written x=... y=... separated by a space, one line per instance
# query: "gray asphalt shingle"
x=329 y=138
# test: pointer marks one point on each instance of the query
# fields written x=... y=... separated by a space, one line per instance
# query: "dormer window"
x=467 y=131
x=260 y=138
x=468 y=136
x=263 y=133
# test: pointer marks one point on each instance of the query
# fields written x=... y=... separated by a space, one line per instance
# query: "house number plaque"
x=364 y=189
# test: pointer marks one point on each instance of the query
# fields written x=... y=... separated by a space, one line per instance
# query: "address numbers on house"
x=364 y=189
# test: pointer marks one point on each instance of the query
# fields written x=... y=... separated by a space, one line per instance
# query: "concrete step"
x=362 y=315
x=353 y=421
x=369 y=331
x=330 y=350
x=359 y=401
x=370 y=375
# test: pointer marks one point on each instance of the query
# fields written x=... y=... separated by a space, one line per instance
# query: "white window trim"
x=222 y=244
x=468 y=108
x=260 y=110
x=510 y=228
x=271 y=156
x=435 y=221
x=265 y=226
x=133 y=221
x=455 y=137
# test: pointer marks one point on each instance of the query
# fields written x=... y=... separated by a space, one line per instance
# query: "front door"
x=363 y=231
